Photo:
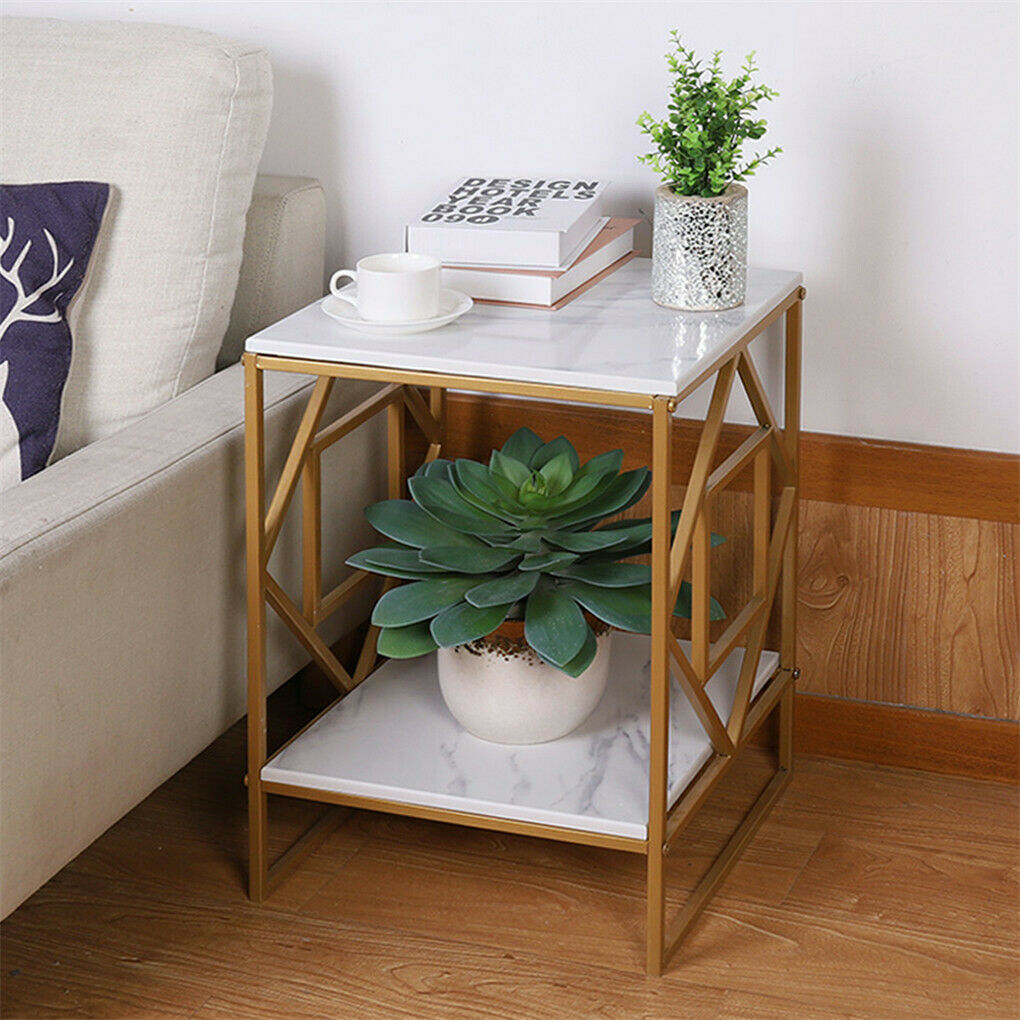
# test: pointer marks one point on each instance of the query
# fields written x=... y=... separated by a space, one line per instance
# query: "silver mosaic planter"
x=699 y=250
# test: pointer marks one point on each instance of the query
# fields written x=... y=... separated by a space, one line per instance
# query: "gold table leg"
x=255 y=541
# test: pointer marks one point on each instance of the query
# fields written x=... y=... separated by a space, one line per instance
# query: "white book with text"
x=533 y=221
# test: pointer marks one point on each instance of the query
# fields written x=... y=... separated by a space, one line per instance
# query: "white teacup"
x=399 y=287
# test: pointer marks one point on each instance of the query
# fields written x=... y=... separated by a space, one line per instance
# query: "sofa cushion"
x=284 y=261
x=47 y=233
x=175 y=119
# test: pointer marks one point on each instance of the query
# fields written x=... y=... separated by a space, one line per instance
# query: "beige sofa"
x=122 y=619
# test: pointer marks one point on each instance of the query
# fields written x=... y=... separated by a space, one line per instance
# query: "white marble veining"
x=614 y=337
x=394 y=739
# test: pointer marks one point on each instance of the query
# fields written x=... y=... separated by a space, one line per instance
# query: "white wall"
x=896 y=194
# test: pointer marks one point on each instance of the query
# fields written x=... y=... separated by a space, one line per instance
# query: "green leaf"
x=700 y=142
x=406 y=642
x=404 y=522
x=420 y=600
x=558 y=474
x=554 y=625
x=394 y=561
x=521 y=445
x=639 y=534
x=442 y=501
x=608 y=463
x=527 y=541
x=509 y=468
x=502 y=590
x=546 y=560
x=559 y=445
x=459 y=560
x=482 y=483
x=621 y=492
x=437 y=468
x=683 y=604
x=583 y=541
x=463 y=622
x=626 y=608
x=607 y=575
x=499 y=509
x=580 y=662
x=580 y=491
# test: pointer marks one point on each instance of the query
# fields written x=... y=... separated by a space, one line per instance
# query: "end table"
x=610 y=347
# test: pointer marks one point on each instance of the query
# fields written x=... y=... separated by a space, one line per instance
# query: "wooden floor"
x=869 y=893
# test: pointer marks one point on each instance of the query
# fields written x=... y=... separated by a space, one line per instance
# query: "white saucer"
x=452 y=305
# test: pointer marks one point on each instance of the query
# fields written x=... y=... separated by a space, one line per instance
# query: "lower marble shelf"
x=393 y=739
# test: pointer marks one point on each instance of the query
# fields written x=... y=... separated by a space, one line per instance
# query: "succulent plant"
x=522 y=538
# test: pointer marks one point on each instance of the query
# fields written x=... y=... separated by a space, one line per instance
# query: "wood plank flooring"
x=869 y=892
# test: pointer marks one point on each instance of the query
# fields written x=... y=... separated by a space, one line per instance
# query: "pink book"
x=545 y=287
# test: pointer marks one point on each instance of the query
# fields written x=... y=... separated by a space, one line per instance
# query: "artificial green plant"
x=523 y=537
x=698 y=144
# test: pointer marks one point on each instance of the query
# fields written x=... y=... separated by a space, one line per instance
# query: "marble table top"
x=393 y=738
x=613 y=337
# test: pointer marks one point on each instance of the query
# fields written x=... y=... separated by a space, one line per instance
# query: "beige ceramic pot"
x=498 y=689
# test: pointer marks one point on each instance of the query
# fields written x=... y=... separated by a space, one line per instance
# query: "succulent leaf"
x=477 y=479
x=583 y=541
x=404 y=522
x=622 y=492
x=509 y=468
x=683 y=604
x=496 y=505
x=626 y=608
x=441 y=500
x=528 y=541
x=580 y=662
x=546 y=560
x=521 y=445
x=457 y=559
x=395 y=561
x=608 y=463
x=607 y=575
x=557 y=474
x=546 y=453
x=406 y=642
x=438 y=468
x=554 y=625
x=463 y=622
x=580 y=491
x=420 y=600
x=507 y=589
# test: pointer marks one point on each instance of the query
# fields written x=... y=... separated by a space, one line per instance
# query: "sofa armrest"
x=283 y=265
x=122 y=597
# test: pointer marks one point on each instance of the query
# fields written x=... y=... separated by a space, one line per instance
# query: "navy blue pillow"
x=47 y=233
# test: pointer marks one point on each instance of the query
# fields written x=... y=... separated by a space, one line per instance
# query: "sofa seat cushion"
x=47 y=233
x=175 y=119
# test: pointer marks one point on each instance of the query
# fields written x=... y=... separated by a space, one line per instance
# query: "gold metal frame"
x=770 y=450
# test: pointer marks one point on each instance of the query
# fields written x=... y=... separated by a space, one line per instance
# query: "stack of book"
x=537 y=242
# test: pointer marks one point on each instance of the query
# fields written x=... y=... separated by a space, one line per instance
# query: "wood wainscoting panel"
x=957 y=745
x=909 y=476
x=834 y=469
x=909 y=609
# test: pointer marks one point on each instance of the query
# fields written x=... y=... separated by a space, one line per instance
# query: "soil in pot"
x=498 y=689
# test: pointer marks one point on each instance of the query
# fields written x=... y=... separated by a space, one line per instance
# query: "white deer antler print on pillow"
x=19 y=311
x=10 y=441
x=46 y=239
